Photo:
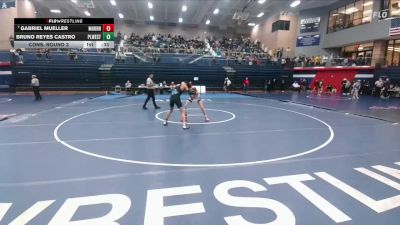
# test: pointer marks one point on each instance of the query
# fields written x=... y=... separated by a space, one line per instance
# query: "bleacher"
x=99 y=71
x=211 y=76
x=257 y=74
x=59 y=74
x=393 y=73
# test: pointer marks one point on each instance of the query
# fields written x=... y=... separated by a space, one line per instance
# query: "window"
x=393 y=53
x=358 y=13
x=367 y=12
x=361 y=53
x=350 y=15
x=394 y=7
x=281 y=25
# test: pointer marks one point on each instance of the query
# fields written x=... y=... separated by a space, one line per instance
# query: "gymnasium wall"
x=278 y=39
x=334 y=76
x=313 y=50
x=377 y=29
x=23 y=9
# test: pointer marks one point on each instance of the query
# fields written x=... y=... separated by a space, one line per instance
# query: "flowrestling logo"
x=392 y=107
x=156 y=212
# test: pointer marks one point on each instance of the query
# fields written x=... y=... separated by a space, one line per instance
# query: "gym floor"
x=276 y=159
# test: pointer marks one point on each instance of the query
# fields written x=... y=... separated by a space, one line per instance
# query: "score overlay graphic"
x=64 y=32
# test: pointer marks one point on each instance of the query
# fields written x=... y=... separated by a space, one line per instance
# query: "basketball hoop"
x=240 y=17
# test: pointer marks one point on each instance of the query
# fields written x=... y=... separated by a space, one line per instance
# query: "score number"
x=108 y=36
x=108 y=27
x=89 y=44
x=108 y=32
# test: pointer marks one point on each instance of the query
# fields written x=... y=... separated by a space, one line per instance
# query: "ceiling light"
x=251 y=24
x=87 y=13
x=208 y=22
x=367 y=12
x=74 y=1
x=260 y=15
x=113 y=2
x=216 y=11
x=184 y=8
x=151 y=18
x=150 y=5
x=368 y=3
x=351 y=10
x=121 y=15
x=295 y=3
x=55 y=11
x=261 y=1
x=180 y=19
x=395 y=12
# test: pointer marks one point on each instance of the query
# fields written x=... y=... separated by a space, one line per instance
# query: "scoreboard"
x=64 y=32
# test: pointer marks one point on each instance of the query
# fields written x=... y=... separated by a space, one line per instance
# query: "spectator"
x=365 y=88
x=347 y=87
x=227 y=85
x=73 y=55
x=324 y=60
x=47 y=54
x=344 y=81
x=266 y=86
x=385 y=89
x=11 y=39
x=356 y=90
x=241 y=50
x=20 y=56
x=274 y=84
x=345 y=62
x=329 y=89
x=296 y=86
x=38 y=53
x=288 y=52
x=120 y=57
x=283 y=62
x=394 y=91
x=172 y=85
x=315 y=87
x=163 y=85
x=320 y=87
x=128 y=87
x=246 y=84
x=303 y=85
x=334 y=90
x=283 y=85
x=378 y=87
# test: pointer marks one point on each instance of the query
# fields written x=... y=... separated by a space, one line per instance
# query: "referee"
x=35 y=86
x=150 y=92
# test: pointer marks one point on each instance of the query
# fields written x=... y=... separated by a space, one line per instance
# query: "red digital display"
x=108 y=27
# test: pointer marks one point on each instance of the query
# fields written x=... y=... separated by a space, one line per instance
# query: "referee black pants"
x=37 y=93
x=150 y=94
